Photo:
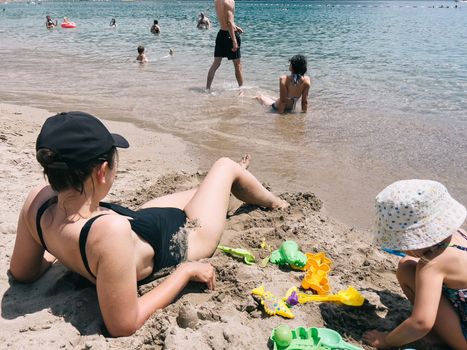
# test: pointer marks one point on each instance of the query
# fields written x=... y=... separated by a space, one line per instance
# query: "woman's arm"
x=282 y=102
x=28 y=261
x=122 y=310
x=305 y=96
x=429 y=281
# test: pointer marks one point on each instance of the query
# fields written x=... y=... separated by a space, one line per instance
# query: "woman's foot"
x=280 y=203
x=245 y=161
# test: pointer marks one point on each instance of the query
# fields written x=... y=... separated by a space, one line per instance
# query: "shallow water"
x=388 y=99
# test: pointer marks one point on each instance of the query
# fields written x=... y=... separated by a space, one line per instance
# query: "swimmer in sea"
x=203 y=22
x=155 y=29
x=141 y=56
x=49 y=23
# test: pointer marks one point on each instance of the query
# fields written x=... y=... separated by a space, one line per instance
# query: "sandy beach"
x=60 y=311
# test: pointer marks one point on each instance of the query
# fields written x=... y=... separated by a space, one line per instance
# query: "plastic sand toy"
x=316 y=277
x=317 y=280
x=248 y=258
x=302 y=338
x=394 y=252
x=318 y=261
x=289 y=254
x=272 y=304
x=349 y=296
x=264 y=262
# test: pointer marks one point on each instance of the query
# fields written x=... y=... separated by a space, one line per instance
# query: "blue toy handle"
x=394 y=252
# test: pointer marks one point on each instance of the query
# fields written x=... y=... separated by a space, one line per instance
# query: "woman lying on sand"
x=292 y=87
x=117 y=246
x=420 y=218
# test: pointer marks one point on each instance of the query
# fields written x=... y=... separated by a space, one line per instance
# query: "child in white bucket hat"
x=421 y=219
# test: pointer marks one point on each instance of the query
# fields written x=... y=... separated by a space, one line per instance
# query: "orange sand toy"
x=317 y=280
x=349 y=296
x=318 y=260
x=316 y=277
x=272 y=304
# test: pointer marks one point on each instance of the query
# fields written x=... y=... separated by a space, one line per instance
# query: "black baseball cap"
x=77 y=137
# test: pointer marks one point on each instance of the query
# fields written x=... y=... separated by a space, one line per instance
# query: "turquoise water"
x=388 y=100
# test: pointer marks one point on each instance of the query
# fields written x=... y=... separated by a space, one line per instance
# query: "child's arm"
x=428 y=281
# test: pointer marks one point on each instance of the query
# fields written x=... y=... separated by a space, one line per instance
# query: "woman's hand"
x=202 y=272
x=376 y=339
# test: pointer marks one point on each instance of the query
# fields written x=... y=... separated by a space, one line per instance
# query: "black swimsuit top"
x=155 y=225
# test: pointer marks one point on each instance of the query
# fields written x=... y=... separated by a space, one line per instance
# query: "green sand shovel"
x=248 y=258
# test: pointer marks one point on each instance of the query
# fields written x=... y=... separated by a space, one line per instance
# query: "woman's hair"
x=140 y=49
x=298 y=63
x=156 y=21
x=63 y=176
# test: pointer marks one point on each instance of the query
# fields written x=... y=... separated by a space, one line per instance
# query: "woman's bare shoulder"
x=112 y=226
x=37 y=196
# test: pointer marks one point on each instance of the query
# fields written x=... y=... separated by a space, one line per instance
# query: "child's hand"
x=376 y=339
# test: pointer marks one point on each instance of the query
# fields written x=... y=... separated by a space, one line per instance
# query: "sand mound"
x=230 y=317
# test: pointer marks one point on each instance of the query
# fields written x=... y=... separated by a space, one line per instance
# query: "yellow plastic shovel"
x=349 y=296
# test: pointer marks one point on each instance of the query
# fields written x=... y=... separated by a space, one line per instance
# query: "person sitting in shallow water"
x=111 y=245
x=292 y=87
x=155 y=29
x=421 y=219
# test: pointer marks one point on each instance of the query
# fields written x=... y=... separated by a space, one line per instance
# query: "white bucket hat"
x=416 y=214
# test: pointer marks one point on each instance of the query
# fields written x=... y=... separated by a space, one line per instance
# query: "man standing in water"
x=227 y=41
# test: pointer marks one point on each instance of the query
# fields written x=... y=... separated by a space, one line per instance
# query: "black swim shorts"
x=224 y=45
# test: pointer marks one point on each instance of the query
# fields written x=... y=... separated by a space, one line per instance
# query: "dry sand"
x=60 y=311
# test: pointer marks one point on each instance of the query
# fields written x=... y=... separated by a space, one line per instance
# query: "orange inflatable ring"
x=69 y=25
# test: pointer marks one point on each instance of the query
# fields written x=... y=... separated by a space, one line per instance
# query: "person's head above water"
x=298 y=64
x=140 y=49
x=156 y=22
x=69 y=147
x=416 y=214
x=201 y=15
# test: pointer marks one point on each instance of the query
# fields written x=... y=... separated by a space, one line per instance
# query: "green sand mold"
x=289 y=254
x=312 y=338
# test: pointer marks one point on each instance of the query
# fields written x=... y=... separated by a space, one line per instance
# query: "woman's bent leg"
x=209 y=205
x=265 y=100
x=174 y=200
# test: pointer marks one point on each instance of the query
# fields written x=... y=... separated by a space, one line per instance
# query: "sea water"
x=388 y=97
